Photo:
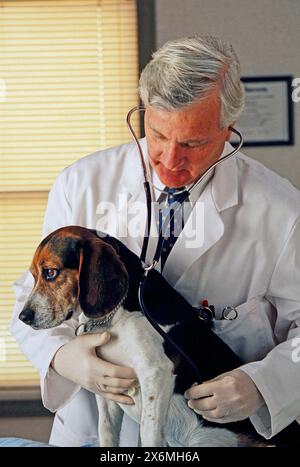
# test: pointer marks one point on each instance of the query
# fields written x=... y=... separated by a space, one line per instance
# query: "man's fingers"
x=202 y=405
x=214 y=414
x=202 y=390
x=97 y=339
x=219 y=377
x=117 y=371
x=118 y=398
x=207 y=417
x=112 y=390
x=102 y=388
x=122 y=383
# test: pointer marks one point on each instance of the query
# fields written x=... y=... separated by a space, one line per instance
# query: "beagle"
x=96 y=278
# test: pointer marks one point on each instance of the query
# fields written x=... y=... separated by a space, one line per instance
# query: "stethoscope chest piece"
x=229 y=313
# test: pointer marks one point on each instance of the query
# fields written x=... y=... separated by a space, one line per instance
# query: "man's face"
x=183 y=143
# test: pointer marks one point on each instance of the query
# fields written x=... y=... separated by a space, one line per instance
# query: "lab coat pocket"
x=250 y=335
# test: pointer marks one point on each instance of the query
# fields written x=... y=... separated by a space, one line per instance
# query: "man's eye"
x=193 y=145
x=50 y=274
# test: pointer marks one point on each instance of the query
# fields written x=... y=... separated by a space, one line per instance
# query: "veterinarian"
x=249 y=258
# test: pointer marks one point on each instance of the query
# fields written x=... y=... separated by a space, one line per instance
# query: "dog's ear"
x=103 y=279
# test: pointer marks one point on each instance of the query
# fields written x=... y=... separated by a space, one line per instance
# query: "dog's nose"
x=27 y=316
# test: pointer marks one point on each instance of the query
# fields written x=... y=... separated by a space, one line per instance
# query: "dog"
x=96 y=278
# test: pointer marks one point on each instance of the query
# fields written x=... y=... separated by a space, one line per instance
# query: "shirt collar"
x=195 y=194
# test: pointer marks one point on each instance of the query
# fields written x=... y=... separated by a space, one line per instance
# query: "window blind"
x=21 y=216
x=69 y=74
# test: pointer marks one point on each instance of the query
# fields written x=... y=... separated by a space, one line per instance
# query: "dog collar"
x=92 y=325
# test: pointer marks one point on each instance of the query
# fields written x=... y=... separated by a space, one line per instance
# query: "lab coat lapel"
x=220 y=194
x=209 y=228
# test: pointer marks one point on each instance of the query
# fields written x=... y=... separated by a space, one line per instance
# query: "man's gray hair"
x=185 y=70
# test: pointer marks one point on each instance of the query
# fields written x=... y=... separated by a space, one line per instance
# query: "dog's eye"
x=50 y=274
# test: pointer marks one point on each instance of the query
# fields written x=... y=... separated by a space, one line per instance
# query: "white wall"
x=266 y=36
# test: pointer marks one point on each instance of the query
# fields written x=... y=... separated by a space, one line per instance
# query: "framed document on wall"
x=267 y=119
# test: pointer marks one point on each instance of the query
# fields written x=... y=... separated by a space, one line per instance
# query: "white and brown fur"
x=76 y=271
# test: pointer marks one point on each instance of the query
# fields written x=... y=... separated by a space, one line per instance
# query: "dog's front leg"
x=157 y=389
x=109 y=423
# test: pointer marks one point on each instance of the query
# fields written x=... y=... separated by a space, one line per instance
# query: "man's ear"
x=103 y=279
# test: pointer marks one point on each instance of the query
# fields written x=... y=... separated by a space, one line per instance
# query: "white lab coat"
x=250 y=259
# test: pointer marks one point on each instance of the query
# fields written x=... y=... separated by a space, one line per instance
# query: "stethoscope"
x=161 y=237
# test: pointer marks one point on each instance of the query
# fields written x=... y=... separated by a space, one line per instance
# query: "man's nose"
x=27 y=316
x=172 y=157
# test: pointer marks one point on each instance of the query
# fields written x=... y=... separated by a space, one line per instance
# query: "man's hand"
x=78 y=362
x=230 y=397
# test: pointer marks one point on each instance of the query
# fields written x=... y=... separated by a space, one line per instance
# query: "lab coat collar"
x=133 y=176
x=225 y=182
